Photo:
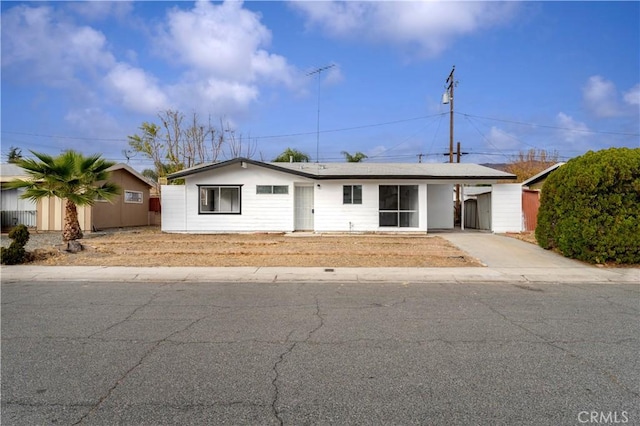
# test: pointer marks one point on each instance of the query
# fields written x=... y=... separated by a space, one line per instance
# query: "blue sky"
x=560 y=76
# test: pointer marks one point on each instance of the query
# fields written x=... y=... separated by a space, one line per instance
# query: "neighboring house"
x=531 y=190
x=14 y=210
x=129 y=208
x=243 y=195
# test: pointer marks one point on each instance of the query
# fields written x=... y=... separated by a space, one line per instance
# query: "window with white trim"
x=352 y=194
x=272 y=189
x=219 y=199
x=133 y=197
x=398 y=206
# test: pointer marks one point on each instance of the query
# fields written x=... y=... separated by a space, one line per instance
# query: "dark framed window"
x=132 y=196
x=352 y=194
x=272 y=189
x=220 y=199
x=398 y=206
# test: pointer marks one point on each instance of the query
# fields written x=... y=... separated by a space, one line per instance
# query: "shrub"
x=15 y=253
x=590 y=207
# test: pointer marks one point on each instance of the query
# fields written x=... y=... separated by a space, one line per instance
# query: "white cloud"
x=137 y=90
x=100 y=10
x=223 y=48
x=225 y=42
x=632 y=96
x=571 y=130
x=429 y=26
x=600 y=97
x=92 y=121
x=38 y=44
x=499 y=139
x=214 y=96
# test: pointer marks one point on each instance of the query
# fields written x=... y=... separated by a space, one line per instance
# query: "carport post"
x=462 y=207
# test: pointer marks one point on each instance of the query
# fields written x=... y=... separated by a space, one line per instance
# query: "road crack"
x=144 y=356
x=557 y=345
x=274 y=403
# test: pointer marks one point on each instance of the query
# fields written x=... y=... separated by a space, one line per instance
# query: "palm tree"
x=355 y=158
x=14 y=155
x=287 y=154
x=70 y=176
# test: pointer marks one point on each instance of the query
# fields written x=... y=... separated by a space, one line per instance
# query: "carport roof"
x=332 y=171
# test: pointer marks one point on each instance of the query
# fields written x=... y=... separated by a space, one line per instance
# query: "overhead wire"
x=467 y=116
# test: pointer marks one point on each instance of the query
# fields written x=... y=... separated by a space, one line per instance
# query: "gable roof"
x=326 y=171
x=541 y=176
x=10 y=171
x=123 y=166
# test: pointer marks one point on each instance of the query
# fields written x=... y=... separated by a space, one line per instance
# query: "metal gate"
x=530 y=206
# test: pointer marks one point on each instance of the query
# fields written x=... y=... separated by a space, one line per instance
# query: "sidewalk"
x=507 y=260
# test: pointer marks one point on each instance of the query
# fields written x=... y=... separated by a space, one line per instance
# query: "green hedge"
x=590 y=207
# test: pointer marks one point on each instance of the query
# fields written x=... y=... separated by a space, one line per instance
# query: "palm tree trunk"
x=71 y=230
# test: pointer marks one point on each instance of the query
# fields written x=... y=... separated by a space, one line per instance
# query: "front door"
x=303 y=208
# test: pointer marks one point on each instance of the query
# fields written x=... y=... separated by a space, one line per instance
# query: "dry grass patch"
x=153 y=248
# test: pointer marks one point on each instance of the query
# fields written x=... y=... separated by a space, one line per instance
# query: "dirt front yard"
x=150 y=247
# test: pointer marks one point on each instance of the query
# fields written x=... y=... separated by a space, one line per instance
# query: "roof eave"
x=274 y=166
x=213 y=166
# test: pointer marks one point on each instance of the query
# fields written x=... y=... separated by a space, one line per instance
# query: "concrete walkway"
x=506 y=259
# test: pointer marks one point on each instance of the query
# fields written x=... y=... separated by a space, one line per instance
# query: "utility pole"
x=319 y=71
x=447 y=98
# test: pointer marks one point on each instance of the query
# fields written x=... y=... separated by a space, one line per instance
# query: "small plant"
x=15 y=253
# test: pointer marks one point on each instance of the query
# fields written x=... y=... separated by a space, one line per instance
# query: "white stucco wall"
x=259 y=212
x=331 y=215
x=440 y=206
x=173 y=208
x=506 y=207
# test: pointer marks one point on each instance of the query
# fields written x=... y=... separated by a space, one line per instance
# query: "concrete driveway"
x=499 y=251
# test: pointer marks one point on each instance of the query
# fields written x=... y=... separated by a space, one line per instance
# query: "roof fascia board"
x=213 y=166
x=413 y=177
x=301 y=173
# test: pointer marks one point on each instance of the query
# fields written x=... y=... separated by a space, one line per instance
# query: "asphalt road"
x=319 y=353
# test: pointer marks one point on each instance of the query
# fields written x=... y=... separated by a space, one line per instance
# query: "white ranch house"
x=243 y=195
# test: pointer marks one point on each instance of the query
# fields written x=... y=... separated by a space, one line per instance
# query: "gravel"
x=48 y=239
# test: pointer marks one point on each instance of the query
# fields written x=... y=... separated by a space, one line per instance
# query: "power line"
x=84 y=138
x=343 y=129
x=546 y=126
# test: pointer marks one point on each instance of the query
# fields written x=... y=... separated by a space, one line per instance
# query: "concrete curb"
x=307 y=274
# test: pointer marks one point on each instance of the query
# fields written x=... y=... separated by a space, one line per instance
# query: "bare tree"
x=172 y=123
x=150 y=144
x=239 y=146
x=527 y=164
x=174 y=145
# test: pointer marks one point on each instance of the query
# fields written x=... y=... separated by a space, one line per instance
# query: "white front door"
x=303 y=208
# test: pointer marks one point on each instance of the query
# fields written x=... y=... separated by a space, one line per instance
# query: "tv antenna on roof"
x=319 y=71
